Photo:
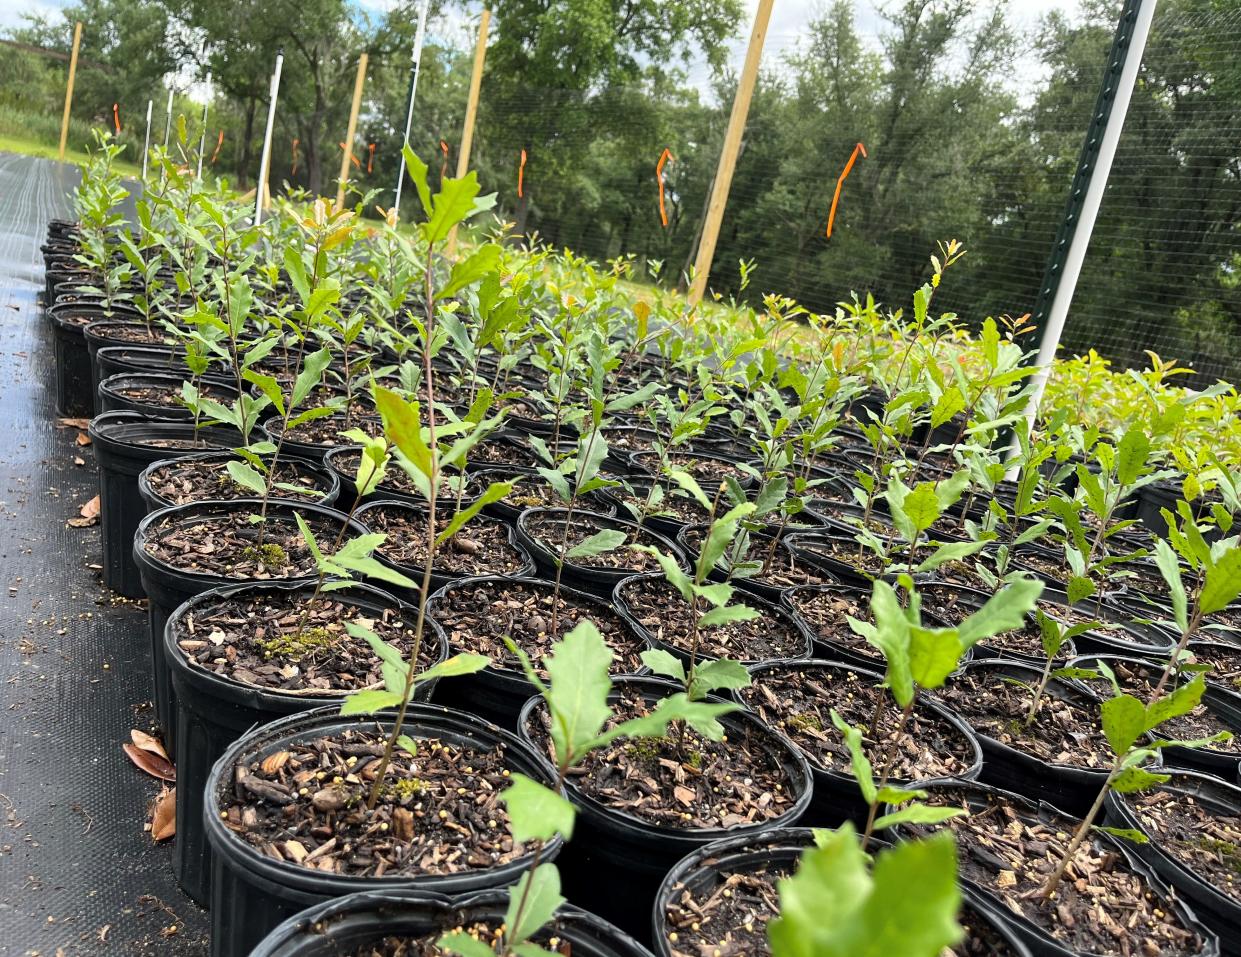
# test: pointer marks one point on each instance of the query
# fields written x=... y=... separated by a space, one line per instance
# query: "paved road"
x=78 y=875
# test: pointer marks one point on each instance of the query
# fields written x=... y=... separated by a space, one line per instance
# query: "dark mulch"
x=478 y=616
x=326 y=431
x=799 y=701
x=438 y=812
x=683 y=780
x=827 y=611
x=480 y=547
x=287 y=643
x=660 y=609
x=1063 y=732
x=181 y=482
x=1207 y=844
x=227 y=545
x=550 y=530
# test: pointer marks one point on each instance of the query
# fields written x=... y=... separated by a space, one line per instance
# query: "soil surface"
x=1101 y=907
x=661 y=610
x=827 y=611
x=325 y=432
x=1225 y=661
x=752 y=558
x=226 y=545
x=1206 y=843
x=730 y=917
x=480 y=547
x=799 y=702
x=684 y=780
x=708 y=472
x=488 y=932
x=1065 y=731
x=182 y=482
x=439 y=812
x=550 y=528
x=170 y=398
x=264 y=640
x=478 y=616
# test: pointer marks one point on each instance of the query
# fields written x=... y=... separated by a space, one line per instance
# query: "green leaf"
x=863 y=773
x=578 y=694
x=403 y=427
x=246 y=476
x=605 y=540
x=690 y=484
x=890 y=634
x=1079 y=589
x=311 y=375
x=921 y=507
x=1003 y=612
x=1170 y=568
x=536 y=812
x=721 y=533
x=1223 y=583
x=664 y=663
x=1131 y=455
x=918 y=814
x=485 y=259
x=452 y=205
x=268 y=386
x=934 y=654
x=1127 y=833
x=1124 y=721
x=372 y=568
x=730 y=613
x=369 y=701
x=540 y=889
x=836 y=905
x=459 y=942
x=713 y=675
x=465 y=663
x=407 y=744
x=416 y=169
x=1136 y=779
x=493 y=493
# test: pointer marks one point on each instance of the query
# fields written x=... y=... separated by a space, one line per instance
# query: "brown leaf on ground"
x=83 y=439
x=148 y=742
x=89 y=514
x=73 y=423
x=152 y=764
x=164 y=815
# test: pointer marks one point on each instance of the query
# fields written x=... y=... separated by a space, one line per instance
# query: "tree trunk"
x=246 y=154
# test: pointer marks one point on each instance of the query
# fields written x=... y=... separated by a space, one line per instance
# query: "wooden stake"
x=471 y=113
x=728 y=156
x=261 y=192
x=73 y=72
x=347 y=155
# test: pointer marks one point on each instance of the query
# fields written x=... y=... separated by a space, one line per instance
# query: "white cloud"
x=12 y=14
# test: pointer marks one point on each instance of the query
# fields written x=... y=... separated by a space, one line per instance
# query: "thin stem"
x=888 y=764
x=1080 y=834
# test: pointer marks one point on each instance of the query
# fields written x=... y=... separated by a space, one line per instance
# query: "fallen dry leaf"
x=164 y=815
x=83 y=439
x=148 y=742
x=73 y=423
x=89 y=514
x=152 y=764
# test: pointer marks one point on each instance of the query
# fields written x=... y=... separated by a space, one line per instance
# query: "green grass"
x=29 y=147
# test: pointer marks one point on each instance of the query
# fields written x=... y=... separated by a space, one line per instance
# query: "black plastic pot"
x=1039 y=942
x=598 y=581
x=310 y=450
x=251 y=894
x=213 y=711
x=325 y=481
x=1217 y=909
x=125 y=443
x=1071 y=789
x=837 y=797
x=167 y=588
x=440 y=576
x=1223 y=705
x=386 y=491
x=647 y=462
x=707 y=868
x=340 y=926
x=116 y=359
x=759 y=546
x=112 y=399
x=74 y=392
x=497 y=694
x=607 y=840
x=103 y=333
x=770 y=611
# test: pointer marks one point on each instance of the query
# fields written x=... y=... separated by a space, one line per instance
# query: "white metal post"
x=146 y=142
x=265 y=162
x=415 y=65
x=168 y=120
x=1079 y=242
x=202 y=138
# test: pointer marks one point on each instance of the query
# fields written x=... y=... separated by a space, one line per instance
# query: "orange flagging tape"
x=831 y=217
x=659 y=174
x=356 y=161
x=444 y=165
x=293 y=171
x=116 y=117
x=218 y=144
x=521 y=174
x=370 y=158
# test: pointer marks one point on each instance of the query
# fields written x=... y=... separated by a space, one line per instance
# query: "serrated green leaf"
x=536 y=812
